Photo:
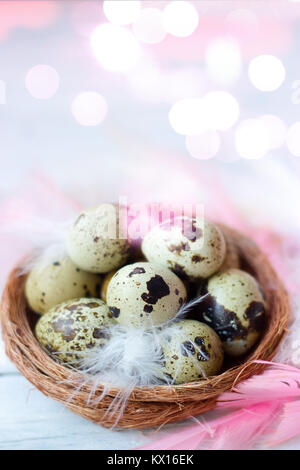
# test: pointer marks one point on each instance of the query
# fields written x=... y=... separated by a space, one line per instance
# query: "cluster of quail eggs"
x=102 y=282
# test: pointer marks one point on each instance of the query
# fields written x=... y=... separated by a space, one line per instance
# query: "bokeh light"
x=187 y=117
x=115 y=47
x=180 y=18
x=149 y=28
x=266 y=72
x=203 y=146
x=293 y=139
x=42 y=81
x=251 y=139
x=276 y=130
x=216 y=110
x=89 y=108
x=223 y=60
x=121 y=12
x=220 y=110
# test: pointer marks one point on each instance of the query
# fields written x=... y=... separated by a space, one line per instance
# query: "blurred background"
x=192 y=101
x=141 y=97
x=148 y=98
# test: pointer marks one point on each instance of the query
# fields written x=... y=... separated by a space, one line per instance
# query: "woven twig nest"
x=147 y=406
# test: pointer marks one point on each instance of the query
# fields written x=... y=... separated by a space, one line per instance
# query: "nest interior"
x=147 y=406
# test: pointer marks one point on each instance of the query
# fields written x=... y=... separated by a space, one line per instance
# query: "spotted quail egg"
x=93 y=241
x=234 y=307
x=50 y=284
x=191 y=351
x=188 y=246
x=144 y=294
x=105 y=283
x=71 y=328
x=232 y=257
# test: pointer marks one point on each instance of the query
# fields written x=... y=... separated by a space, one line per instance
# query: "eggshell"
x=93 y=241
x=234 y=308
x=191 y=248
x=191 y=351
x=50 y=284
x=105 y=283
x=145 y=294
x=71 y=328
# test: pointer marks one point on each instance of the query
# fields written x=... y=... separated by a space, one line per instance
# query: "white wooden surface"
x=29 y=420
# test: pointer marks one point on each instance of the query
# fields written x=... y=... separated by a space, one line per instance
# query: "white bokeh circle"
x=251 y=139
x=203 y=146
x=149 y=27
x=121 y=12
x=266 y=72
x=180 y=18
x=42 y=81
x=216 y=110
x=186 y=117
x=276 y=130
x=220 y=109
x=293 y=139
x=89 y=108
x=115 y=47
x=223 y=60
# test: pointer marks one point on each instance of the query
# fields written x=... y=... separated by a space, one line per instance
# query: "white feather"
x=186 y=308
x=131 y=358
x=45 y=237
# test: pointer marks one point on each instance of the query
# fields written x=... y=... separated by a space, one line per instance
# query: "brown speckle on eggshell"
x=235 y=308
x=144 y=294
x=190 y=247
x=50 y=284
x=93 y=241
x=191 y=351
x=71 y=328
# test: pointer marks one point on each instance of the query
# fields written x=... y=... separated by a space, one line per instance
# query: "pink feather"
x=260 y=400
x=289 y=424
x=278 y=382
x=237 y=430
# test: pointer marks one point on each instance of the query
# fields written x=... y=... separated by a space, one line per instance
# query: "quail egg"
x=93 y=241
x=191 y=351
x=71 y=328
x=234 y=307
x=105 y=283
x=50 y=284
x=188 y=246
x=145 y=294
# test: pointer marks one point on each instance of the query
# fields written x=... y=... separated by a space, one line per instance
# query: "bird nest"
x=146 y=406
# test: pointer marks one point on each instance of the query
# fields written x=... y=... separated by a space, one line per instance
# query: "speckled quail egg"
x=234 y=307
x=191 y=248
x=191 y=351
x=93 y=241
x=50 y=284
x=71 y=328
x=105 y=283
x=232 y=257
x=145 y=294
